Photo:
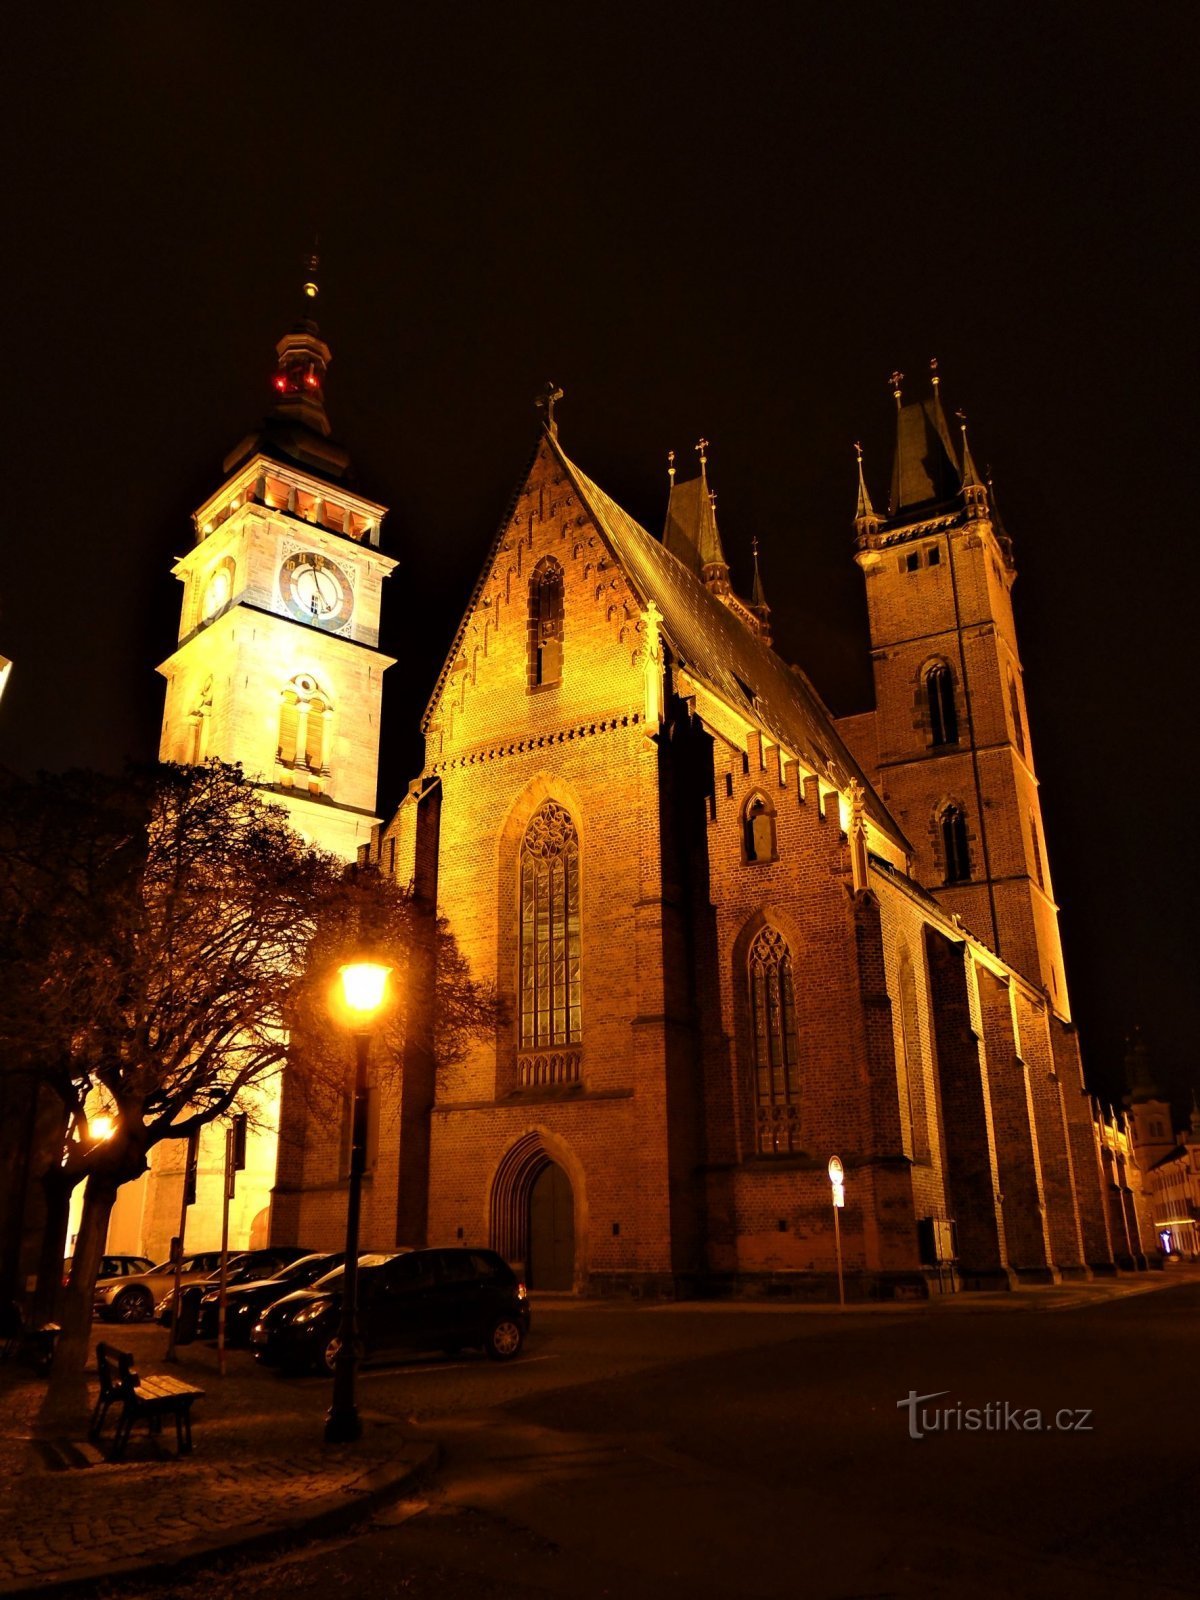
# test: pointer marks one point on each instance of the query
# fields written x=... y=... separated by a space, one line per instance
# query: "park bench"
x=152 y=1398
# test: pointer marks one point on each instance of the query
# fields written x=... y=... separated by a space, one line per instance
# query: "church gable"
x=552 y=636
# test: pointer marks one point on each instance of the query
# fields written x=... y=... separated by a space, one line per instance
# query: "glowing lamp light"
x=101 y=1128
x=310 y=290
x=280 y=382
x=310 y=379
x=364 y=988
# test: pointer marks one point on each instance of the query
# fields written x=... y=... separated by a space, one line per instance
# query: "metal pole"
x=837 y=1239
x=342 y=1423
x=183 y=1211
x=223 y=1292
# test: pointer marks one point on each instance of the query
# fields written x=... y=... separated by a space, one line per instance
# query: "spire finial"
x=758 y=597
x=702 y=452
x=312 y=267
x=933 y=372
x=972 y=483
x=671 y=467
x=896 y=379
x=546 y=402
x=865 y=519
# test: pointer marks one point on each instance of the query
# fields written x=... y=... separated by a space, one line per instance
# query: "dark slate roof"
x=924 y=470
x=691 y=527
x=722 y=653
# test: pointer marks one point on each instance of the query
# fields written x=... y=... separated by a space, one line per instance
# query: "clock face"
x=315 y=589
x=218 y=589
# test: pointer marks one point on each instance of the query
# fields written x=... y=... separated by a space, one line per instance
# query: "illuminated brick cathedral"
x=735 y=935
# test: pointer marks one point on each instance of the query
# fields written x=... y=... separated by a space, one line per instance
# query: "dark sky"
x=725 y=219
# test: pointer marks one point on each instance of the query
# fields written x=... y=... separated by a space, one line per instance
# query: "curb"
x=333 y=1513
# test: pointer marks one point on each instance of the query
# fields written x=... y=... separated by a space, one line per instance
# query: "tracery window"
x=758 y=830
x=943 y=713
x=546 y=624
x=549 y=933
x=773 y=1010
x=955 y=849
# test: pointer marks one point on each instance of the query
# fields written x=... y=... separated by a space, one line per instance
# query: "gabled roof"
x=720 y=651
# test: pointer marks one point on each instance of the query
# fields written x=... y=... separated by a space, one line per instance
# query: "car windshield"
x=306 y=1269
x=333 y=1280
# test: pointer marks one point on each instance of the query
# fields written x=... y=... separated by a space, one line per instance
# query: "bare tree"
x=169 y=931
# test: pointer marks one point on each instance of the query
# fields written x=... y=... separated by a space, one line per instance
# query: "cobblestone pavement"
x=259 y=1464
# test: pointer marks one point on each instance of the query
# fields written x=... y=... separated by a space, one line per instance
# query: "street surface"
x=707 y=1451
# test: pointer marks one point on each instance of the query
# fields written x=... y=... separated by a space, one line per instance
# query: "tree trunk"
x=66 y=1404
x=56 y=1192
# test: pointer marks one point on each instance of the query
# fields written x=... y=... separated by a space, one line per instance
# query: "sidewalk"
x=260 y=1472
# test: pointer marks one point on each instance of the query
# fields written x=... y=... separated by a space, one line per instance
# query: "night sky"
x=715 y=219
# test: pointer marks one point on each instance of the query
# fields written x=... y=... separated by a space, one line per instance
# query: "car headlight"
x=311 y=1313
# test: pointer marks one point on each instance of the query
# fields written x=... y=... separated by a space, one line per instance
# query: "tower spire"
x=301 y=361
x=866 y=518
x=974 y=489
x=758 y=597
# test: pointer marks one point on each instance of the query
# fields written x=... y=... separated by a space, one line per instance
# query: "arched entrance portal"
x=533 y=1215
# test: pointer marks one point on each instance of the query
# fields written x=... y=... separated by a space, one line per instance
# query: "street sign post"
x=837 y=1182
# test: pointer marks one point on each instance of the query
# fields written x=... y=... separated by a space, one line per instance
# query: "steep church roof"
x=925 y=470
x=691 y=532
x=722 y=652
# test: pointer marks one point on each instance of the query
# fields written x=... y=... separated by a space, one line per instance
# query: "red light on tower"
x=311 y=378
x=280 y=382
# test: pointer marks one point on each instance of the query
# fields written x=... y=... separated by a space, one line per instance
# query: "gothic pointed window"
x=1014 y=706
x=758 y=830
x=956 y=853
x=943 y=714
x=546 y=624
x=773 y=1012
x=549 y=932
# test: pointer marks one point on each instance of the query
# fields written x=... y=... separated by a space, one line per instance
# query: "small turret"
x=866 y=518
x=691 y=532
x=758 y=598
x=302 y=360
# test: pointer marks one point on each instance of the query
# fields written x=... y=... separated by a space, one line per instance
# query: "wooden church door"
x=552 y=1231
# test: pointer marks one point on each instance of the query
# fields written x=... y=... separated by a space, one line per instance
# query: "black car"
x=244 y=1266
x=246 y=1300
x=419 y=1300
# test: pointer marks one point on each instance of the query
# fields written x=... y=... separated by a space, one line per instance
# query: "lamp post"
x=361 y=991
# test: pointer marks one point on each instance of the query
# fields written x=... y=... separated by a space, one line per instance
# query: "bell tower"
x=278 y=664
x=955 y=757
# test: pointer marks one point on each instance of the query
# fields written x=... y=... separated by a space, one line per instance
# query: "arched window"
x=1035 y=840
x=1014 y=706
x=549 y=934
x=304 y=712
x=773 y=1009
x=198 y=727
x=546 y=624
x=758 y=830
x=955 y=850
x=943 y=714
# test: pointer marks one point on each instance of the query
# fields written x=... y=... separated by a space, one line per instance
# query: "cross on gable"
x=546 y=402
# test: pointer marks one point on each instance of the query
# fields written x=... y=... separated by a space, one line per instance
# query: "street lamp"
x=359 y=998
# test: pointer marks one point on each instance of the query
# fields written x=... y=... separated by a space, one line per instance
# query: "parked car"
x=134 y=1297
x=113 y=1267
x=419 y=1300
x=246 y=1301
x=244 y=1267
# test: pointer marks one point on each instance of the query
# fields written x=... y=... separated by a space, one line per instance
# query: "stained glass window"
x=550 y=1005
x=773 y=1007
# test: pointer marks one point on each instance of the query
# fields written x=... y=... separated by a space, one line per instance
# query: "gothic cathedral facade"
x=735 y=936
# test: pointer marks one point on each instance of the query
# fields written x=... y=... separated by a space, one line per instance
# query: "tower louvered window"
x=773 y=1010
x=550 y=962
x=955 y=850
x=943 y=714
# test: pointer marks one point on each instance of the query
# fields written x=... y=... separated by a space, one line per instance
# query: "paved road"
x=684 y=1451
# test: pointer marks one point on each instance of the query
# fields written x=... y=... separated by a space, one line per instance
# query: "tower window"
x=955 y=850
x=943 y=713
x=546 y=624
x=1014 y=706
x=1036 y=843
x=776 y=1050
x=933 y=556
x=912 y=561
x=758 y=830
x=549 y=931
x=304 y=713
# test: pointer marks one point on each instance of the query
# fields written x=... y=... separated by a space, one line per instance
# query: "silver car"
x=133 y=1299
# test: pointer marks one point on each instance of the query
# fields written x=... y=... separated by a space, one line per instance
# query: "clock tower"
x=278 y=665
